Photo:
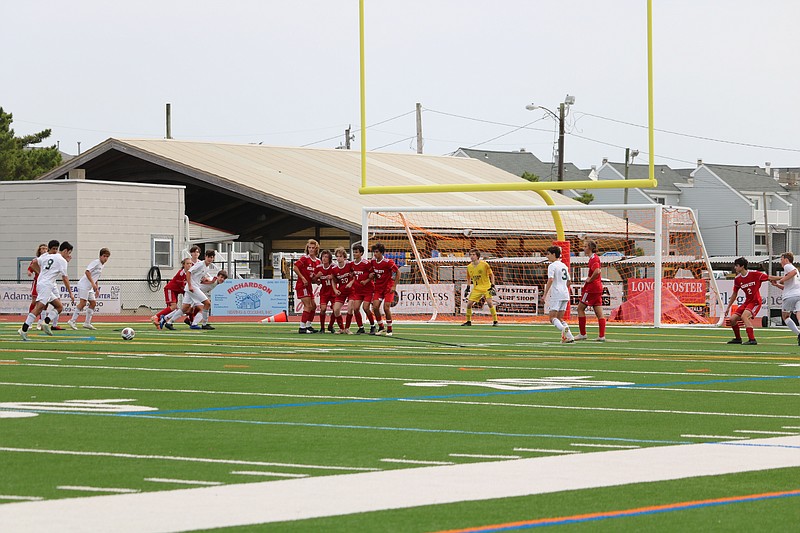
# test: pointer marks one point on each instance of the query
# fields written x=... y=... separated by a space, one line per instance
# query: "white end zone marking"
x=17 y=414
x=183 y=481
x=416 y=462
x=757 y=432
x=715 y=437
x=618 y=446
x=266 y=474
x=97 y=489
x=480 y=456
x=544 y=450
x=20 y=498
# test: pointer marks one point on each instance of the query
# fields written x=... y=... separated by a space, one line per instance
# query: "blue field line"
x=462 y=395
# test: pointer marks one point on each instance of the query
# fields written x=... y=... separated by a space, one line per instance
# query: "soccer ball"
x=128 y=334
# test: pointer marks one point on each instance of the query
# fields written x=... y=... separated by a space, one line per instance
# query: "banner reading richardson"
x=250 y=297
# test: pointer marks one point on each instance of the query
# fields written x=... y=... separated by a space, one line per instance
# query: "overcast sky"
x=286 y=73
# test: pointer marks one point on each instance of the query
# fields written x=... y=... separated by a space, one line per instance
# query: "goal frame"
x=657 y=209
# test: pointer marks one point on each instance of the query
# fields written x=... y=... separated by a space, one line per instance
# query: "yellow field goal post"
x=641 y=247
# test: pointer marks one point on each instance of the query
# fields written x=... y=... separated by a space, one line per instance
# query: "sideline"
x=297 y=499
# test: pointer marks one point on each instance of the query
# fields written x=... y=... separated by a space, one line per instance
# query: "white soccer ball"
x=128 y=334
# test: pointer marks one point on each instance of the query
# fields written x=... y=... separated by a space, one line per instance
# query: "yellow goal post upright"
x=642 y=247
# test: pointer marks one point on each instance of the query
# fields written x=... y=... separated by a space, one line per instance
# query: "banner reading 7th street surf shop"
x=250 y=297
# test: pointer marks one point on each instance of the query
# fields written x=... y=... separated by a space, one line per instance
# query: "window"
x=761 y=239
x=660 y=200
x=162 y=251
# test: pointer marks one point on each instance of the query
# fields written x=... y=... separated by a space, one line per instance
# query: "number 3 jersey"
x=558 y=272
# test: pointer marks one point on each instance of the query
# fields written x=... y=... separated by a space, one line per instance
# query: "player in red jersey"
x=172 y=289
x=384 y=272
x=363 y=289
x=592 y=294
x=749 y=281
x=343 y=279
x=324 y=276
x=35 y=275
x=303 y=289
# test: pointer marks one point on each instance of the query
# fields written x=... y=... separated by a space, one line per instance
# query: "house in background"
x=520 y=162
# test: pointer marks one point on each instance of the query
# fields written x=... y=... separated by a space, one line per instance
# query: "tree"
x=18 y=159
x=530 y=176
x=585 y=198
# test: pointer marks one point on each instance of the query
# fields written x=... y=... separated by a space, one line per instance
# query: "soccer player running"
x=790 y=284
x=207 y=285
x=34 y=272
x=323 y=275
x=363 y=289
x=749 y=281
x=193 y=296
x=558 y=288
x=592 y=294
x=172 y=289
x=343 y=279
x=303 y=289
x=384 y=273
x=49 y=267
x=480 y=286
x=88 y=290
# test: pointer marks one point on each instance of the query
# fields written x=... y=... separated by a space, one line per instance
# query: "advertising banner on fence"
x=510 y=300
x=250 y=297
x=612 y=297
x=414 y=298
x=688 y=291
x=15 y=298
x=726 y=288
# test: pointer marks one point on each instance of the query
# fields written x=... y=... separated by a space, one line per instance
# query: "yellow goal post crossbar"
x=540 y=187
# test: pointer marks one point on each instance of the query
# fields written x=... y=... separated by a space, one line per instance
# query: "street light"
x=736 y=225
x=562 y=111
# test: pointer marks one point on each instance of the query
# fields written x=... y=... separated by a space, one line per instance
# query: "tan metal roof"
x=324 y=183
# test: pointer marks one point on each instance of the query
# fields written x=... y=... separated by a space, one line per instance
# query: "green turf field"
x=86 y=413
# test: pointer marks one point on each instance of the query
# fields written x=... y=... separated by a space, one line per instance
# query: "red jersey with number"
x=324 y=276
x=35 y=279
x=342 y=275
x=306 y=265
x=383 y=270
x=597 y=284
x=750 y=284
x=177 y=283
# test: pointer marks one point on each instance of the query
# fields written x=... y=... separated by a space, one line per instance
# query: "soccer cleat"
x=320 y=331
x=735 y=341
x=310 y=329
x=564 y=335
x=495 y=323
x=569 y=341
x=169 y=326
x=361 y=331
x=600 y=339
x=155 y=319
x=72 y=324
x=372 y=330
x=580 y=337
x=798 y=340
x=330 y=330
x=751 y=342
x=23 y=334
x=57 y=328
x=87 y=325
x=39 y=325
x=195 y=326
x=187 y=321
x=380 y=331
x=47 y=329
x=302 y=330
x=207 y=326
x=347 y=331
x=388 y=333
x=161 y=322
x=467 y=323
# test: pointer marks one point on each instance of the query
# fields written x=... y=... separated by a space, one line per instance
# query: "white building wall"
x=90 y=215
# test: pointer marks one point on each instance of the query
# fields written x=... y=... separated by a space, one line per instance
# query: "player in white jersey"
x=193 y=296
x=558 y=290
x=50 y=266
x=207 y=286
x=88 y=290
x=790 y=283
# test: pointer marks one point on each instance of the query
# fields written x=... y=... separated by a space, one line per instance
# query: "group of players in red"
x=362 y=283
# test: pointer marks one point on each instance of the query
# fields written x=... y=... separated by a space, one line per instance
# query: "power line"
x=356 y=130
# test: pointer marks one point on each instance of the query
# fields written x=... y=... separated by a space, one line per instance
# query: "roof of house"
x=519 y=162
x=316 y=184
x=744 y=178
x=667 y=178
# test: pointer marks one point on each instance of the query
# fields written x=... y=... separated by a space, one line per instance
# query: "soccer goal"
x=641 y=248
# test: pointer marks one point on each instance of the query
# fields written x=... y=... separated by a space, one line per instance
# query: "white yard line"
x=618 y=446
x=481 y=456
x=297 y=499
x=183 y=481
x=715 y=437
x=416 y=462
x=183 y=458
x=266 y=474
x=758 y=432
x=544 y=450
x=20 y=498
x=97 y=489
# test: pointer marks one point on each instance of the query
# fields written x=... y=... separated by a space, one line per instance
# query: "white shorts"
x=556 y=305
x=194 y=297
x=45 y=295
x=791 y=304
x=86 y=294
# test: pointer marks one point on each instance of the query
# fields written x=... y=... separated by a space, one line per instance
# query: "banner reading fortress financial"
x=414 y=298
x=250 y=297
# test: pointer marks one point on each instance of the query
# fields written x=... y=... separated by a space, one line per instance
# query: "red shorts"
x=343 y=295
x=592 y=299
x=753 y=307
x=383 y=293
x=362 y=293
x=326 y=298
x=301 y=290
x=170 y=296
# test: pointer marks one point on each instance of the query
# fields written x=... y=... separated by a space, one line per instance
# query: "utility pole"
x=347 y=137
x=169 y=121
x=419 y=128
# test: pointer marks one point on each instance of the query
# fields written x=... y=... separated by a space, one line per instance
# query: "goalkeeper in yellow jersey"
x=480 y=287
